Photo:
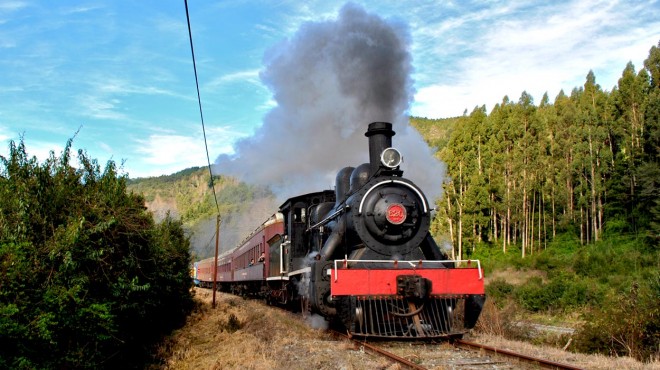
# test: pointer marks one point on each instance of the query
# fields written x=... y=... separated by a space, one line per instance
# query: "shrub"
x=627 y=324
x=499 y=291
x=87 y=279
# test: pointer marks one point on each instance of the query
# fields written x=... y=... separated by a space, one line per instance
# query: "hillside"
x=436 y=132
x=188 y=195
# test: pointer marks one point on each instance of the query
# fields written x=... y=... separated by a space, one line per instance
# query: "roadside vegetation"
x=87 y=278
x=561 y=203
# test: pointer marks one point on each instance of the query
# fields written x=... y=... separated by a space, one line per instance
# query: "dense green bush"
x=614 y=283
x=626 y=324
x=499 y=291
x=87 y=279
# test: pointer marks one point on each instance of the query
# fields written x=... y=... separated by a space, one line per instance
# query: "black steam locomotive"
x=361 y=256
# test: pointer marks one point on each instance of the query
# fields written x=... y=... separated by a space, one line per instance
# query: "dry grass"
x=516 y=277
x=595 y=362
x=266 y=339
x=495 y=325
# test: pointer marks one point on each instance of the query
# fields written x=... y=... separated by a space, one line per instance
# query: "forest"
x=586 y=163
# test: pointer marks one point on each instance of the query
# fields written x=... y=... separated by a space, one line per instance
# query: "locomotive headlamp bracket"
x=390 y=158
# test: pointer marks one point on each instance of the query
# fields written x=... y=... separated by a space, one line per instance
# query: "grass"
x=247 y=334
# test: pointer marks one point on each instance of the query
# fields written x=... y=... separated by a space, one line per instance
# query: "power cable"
x=199 y=100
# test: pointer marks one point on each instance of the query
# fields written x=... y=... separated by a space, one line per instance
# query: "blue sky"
x=120 y=72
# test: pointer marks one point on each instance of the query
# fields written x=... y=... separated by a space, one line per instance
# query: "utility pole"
x=215 y=263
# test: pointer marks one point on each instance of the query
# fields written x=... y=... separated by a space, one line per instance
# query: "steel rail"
x=381 y=351
x=541 y=362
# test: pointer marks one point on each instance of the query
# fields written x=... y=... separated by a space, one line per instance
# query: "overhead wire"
x=199 y=101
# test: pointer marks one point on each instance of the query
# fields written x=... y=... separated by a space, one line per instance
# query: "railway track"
x=547 y=364
x=381 y=351
x=445 y=356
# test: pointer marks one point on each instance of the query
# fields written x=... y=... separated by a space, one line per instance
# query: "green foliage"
x=626 y=324
x=436 y=132
x=87 y=279
x=562 y=292
x=499 y=291
x=615 y=282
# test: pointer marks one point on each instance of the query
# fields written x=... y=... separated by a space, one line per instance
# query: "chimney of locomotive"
x=380 y=138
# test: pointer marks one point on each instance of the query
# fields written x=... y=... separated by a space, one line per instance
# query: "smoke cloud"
x=330 y=80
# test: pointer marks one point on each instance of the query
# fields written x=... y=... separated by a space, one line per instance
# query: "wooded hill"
x=188 y=195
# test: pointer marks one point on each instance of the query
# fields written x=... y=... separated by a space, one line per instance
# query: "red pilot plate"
x=383 y=281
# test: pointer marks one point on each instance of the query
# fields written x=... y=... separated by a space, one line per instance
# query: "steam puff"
x=330 y=80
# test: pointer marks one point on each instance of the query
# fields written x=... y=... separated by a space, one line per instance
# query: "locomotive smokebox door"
x=413 y=286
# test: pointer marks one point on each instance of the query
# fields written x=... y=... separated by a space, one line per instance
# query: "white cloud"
x=5 y=135
x=120 y=86
x=80 y=9
x=168 y=153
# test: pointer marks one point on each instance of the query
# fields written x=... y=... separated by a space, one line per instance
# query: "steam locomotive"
x=361 y=256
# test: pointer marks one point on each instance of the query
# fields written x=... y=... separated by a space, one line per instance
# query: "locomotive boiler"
x=362 y=255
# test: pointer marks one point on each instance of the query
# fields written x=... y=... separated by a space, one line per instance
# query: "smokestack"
x=380 y=138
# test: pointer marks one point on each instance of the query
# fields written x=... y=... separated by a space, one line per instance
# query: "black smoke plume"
x=330 y=80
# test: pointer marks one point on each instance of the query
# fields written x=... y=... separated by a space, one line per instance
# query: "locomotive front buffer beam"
x=407 y=299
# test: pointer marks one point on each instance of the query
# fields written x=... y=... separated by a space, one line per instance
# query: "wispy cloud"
x=249 y=76
x=80 y=9
x=100 y=107
x=120 y=86
x=12 y=6
x=5 y=134
x=535 y=49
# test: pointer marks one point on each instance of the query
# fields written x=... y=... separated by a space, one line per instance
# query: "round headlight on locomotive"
x=390 y=158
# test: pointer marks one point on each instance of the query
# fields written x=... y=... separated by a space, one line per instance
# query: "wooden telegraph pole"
x=215 y=263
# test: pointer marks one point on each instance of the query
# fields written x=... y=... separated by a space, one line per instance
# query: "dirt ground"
x=247 y=334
